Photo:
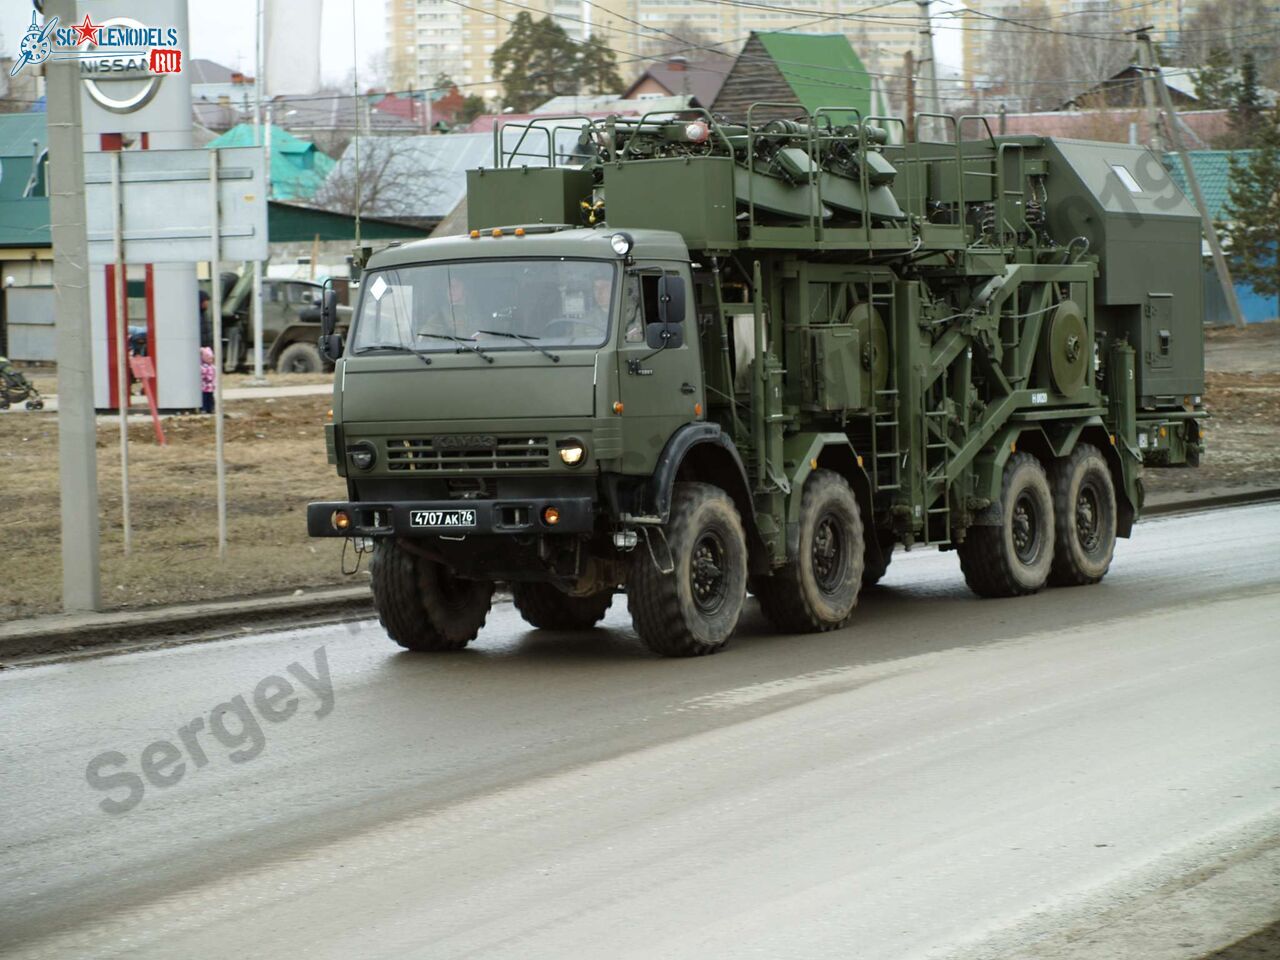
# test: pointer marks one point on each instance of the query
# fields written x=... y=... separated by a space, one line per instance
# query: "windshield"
x=493 y=304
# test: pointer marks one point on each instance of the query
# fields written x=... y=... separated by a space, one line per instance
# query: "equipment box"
x=525 y=195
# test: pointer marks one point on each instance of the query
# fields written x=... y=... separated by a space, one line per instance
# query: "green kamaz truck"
x=688 y=360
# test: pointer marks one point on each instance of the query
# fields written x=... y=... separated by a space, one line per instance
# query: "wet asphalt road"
x=950 y=777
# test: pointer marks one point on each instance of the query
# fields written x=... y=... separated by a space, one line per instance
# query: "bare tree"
x=1235 y=27
x=394 y=180
x=1038 y=62
x=681 y=38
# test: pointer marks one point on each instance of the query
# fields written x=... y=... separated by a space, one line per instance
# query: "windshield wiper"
x=395 y=347
x=523 y=338
x=462 y=344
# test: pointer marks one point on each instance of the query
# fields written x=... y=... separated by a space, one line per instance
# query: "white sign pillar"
x=126 y=106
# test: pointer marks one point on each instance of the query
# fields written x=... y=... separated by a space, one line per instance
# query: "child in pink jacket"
x=208 y=376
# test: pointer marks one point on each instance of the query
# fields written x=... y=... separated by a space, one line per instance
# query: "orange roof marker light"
x=475 y=234
x=519 y=231
x=497 y=231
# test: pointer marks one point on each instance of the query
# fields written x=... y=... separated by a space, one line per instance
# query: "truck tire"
x=693 y=610
x=300 y=358
x=818 y=589
x=421 y=605
x=545 y=607
x=872 y=574
x=1084 y=508
x=1013 y=558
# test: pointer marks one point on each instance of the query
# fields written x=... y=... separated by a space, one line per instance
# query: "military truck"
x=290 y=324
x=690 y=360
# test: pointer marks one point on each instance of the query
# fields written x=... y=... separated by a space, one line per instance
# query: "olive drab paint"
x=904 y=314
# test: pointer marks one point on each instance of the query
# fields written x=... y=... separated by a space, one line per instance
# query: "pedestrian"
x=208 y=375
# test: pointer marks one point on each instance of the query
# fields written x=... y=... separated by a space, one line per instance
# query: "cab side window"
x=640 y=303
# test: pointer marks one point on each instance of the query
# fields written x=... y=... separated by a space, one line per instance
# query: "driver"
x=595 y=319
x=454 y=314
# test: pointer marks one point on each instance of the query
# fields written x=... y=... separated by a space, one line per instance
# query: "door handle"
x=688 y=388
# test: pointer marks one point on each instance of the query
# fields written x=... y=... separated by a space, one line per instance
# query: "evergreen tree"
x=1253 y=212
x=536 y=62
x=1214 y=85
x=1246 y=106
x=598 y=68
x=473 y=105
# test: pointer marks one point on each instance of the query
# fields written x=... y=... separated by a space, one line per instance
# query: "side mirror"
x=671 y=299
x=331 y=346
x=328 y=311
x=664 y=336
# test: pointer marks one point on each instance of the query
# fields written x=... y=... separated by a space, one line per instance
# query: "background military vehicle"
x=690 y=359
x=290 y=324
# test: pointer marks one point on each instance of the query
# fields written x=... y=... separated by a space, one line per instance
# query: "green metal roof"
x=22 y=137
x=291 y=223
x=17 y=130
x=25 y=222
x=822 y=69
x=298 y=168
x=1213 y=171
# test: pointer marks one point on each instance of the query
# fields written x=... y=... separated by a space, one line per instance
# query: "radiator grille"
x=425 y=454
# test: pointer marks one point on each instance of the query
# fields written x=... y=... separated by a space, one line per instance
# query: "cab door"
x=660 y=389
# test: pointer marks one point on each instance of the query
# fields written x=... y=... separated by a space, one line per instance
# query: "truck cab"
x=504 y=400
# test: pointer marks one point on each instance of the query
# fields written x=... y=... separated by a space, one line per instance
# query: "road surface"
x=1090 y=772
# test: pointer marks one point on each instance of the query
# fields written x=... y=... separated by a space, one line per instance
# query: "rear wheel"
x=300 y=358
x=547 y=608
x=1014 y=557
x=692 y=610
x=818 y=589
x=1084 y=506
x=421 y=605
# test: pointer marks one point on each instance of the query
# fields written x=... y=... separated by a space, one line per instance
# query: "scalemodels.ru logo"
x=117 y=45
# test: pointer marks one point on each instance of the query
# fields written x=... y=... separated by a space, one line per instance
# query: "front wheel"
x=300 y=358
x=693 y=609
x=818 y=589
x=421 y=604
x=545 y=607
x=1084 y=505
x=1013 y=557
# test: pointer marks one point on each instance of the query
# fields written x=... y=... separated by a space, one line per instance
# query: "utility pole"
x=77 y=425
x=1154 y=138
x=1152 y=66
x=258 y=377
x=927 y=55
x=909 y=71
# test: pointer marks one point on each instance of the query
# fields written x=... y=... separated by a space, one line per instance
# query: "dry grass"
x=275 y=465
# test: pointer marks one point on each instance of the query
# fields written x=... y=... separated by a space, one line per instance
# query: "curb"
x=75 y=632
x=1239 y=498
x=64 y=633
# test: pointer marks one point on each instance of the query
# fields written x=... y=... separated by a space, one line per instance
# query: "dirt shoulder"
x=275 y=465
x=1242 y=393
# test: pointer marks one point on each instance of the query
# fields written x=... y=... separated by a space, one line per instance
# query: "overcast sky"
x=222 y=30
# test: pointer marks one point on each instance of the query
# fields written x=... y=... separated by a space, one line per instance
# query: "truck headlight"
x=572 y=452
x=362 y=455
x=621 y=243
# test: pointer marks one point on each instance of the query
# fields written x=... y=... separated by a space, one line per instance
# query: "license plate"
x=442 y=518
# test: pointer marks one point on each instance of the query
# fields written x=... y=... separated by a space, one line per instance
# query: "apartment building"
x=429 y=37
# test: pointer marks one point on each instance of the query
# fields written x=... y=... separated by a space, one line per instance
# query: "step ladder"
x=886 y=449
x=937 y=459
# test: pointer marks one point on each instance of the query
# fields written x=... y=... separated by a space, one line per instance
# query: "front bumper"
x=491 y=517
